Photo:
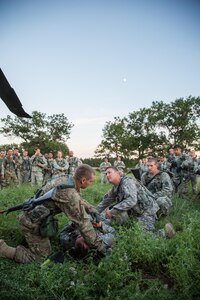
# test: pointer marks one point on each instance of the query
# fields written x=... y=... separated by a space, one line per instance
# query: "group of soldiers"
x=37 y=169
x=183 y=169
x=93 y=227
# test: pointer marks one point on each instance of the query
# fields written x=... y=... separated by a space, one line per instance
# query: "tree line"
x=153 y=130
x=145 y=131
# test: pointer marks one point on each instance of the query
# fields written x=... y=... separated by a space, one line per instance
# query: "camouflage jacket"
x=73 y=162
x=69 y=201
x=38 y=162
x=103 y=166
x=159 y=185
x=129 y=196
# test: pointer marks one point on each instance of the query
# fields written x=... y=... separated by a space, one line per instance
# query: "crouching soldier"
x=64 y=198
x=129 y=199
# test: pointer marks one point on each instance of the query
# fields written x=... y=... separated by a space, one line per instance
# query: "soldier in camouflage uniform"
x=48 y=170
x=120 y=165
x=164 y=165
x=131 y=200
x=60 y=165
x=159 y=184
x=73 y=162
x=105 y=164
x=194 y=169
x=9 y=169
x=38 y=163
x=144 y=166
x=2 y=158
x=181 y=167
x=25 y=168
x=65 y=199
x=17 y=159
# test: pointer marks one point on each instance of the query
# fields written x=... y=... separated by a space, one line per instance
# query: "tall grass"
x=140 y=266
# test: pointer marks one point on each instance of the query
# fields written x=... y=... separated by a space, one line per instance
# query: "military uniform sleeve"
x=106 y=202
x=69 y=201
x=167 y=187
x=128 y=195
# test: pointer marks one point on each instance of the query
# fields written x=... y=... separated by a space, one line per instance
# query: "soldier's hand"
x=108 y=214
x=96 y=224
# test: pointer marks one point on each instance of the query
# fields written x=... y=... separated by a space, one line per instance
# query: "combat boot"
x=6 y=251
x=169 y=230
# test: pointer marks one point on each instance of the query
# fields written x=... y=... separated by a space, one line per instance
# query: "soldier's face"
x=177 y=151
x=152 y=167
x=86 y=182
x=113 y=176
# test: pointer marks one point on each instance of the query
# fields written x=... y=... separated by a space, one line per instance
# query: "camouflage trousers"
x=24 y=177
x=36 y=178
x=10 y=178
x=38 y=247
x=147 y=222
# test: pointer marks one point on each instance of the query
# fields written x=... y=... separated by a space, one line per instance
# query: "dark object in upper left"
x=10 y=98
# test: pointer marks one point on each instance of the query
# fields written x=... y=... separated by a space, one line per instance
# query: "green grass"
x=140 y=266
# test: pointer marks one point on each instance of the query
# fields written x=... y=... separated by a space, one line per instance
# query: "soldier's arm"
x=106 y=201
x=70 y=202
x=167 y=188
x=129 y=198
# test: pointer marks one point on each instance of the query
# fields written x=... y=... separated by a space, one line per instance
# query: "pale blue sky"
x=72 y=57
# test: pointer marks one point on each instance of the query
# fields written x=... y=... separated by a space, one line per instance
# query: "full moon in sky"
x=124 y=79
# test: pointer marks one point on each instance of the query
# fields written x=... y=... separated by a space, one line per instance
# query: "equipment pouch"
x=49 y=227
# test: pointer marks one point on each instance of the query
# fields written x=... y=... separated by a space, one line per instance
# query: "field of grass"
x=140 y=265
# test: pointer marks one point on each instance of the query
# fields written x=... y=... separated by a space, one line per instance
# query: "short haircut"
x=84 y=171
x=153 y=159
x=177 y=146
x=113 y=168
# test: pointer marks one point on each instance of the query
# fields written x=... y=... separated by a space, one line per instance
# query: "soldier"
x=105 y=164
x=144 y=166
x=120 y=165
x=9 y=169
x=48 y=170
x=164 y=165
x=193 y=171
x=38 y=163
x=159 y=184
x=65 y=199
x=170 y=156
x=73 y=162
x=180 y=167
x=16 y=157
x=2 y=158
x=25 y=168
x=60 y=165
x=131 y=200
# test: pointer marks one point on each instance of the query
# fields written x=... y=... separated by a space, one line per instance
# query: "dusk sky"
x=96 y=60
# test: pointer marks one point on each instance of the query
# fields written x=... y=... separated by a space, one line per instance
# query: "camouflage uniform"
x=164 y=166
x=160 y=186
x=193 y=168
x=181 y=168
x=132 y=201
x=102 y=168
x=17 y=159
x=25 y=169
x=60 y=166
x=120 y=165
x=36 y=170
x=48 y=170
x=9 y=171
x=73 y=162
x=2 y=180
x=67 y=200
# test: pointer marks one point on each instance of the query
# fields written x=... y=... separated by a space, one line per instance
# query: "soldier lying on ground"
x=65 y=199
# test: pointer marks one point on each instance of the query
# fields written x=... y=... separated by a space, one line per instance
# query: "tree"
x=42 y=127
